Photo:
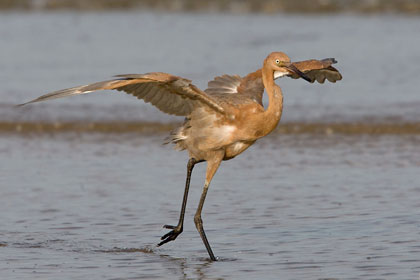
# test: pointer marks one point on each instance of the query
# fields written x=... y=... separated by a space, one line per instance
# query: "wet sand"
x=155 y=127
x=226 y=6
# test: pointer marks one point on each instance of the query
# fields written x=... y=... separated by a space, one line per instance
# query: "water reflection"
x=186 y=268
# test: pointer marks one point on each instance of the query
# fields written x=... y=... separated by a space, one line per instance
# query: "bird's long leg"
x=212 y=166
x=176 y=230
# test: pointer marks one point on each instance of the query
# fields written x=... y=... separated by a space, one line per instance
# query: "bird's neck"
x=273 y=112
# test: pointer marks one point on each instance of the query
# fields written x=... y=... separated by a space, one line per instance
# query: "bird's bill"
x=292 y=68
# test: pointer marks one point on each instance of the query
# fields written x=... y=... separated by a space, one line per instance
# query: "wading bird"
x=222 y=121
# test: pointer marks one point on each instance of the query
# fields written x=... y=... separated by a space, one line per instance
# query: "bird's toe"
x=169 y=226
x=170 y=236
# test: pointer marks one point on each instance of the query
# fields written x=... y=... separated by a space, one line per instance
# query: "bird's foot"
x=170 y=236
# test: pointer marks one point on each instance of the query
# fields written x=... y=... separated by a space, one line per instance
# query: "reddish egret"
x=222 y=121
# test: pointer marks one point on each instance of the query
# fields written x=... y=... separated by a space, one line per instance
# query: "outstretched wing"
x=170 y=94
x=318 y=70
x=252 y=87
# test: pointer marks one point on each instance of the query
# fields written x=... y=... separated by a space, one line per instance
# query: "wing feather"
x=170 y=94
x=224 y=84
x=165 y=103
x=151 y=94
x=318 y=70
x=156 y=97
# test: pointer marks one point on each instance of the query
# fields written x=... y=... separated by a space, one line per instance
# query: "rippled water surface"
x=295 y=206
x=292 y=207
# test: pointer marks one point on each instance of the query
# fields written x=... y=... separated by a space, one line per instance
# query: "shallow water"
x=291 y=207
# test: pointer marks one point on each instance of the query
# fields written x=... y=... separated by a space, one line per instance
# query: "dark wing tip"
x=58 y=94
x=26 y=103
x=331 y=60
x=125 y=76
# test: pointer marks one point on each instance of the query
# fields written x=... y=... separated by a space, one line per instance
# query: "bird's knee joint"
x=191 y=163
x=180 y=229
x=198 y=221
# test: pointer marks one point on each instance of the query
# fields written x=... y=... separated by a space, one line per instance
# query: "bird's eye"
x=277 y=61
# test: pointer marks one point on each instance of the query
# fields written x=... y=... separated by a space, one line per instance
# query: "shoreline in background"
x=224 y=6
x=24 y=128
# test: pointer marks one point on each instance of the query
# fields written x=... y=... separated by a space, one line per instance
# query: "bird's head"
x=281 y=66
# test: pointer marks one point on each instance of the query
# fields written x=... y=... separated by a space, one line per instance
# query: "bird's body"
x=222 y=121
x=206 y=131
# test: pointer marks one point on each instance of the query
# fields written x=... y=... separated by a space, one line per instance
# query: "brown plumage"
x=222 y=121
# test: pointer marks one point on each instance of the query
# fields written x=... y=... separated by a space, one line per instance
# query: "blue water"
x=297 y=206
x=291 y=207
